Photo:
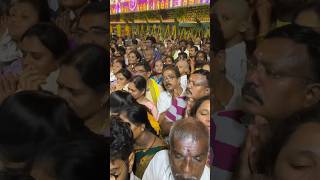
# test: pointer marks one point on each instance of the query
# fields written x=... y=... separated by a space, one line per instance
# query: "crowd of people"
x=53 y=89
x=160 y=101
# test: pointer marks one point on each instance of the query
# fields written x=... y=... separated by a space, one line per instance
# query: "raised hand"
x=30 y=79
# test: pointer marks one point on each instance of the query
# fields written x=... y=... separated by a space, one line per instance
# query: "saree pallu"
x=142 y=159
x=154 y=90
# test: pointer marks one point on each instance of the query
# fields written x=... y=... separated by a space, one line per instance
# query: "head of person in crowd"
x=189 y=147
x=120 y=51
x=129 y=48
x=206 y=47
x=25 y=13
x=121 y=150
x=143 y=69
x=150 y=41
x=182 y=56
x=184 y=67
x=197 y=41
x=73 y=160
x=136 y=115
x=283 y=81
x=201 y=110
x=117 y=65
x=309 y=16
x=83 y=83
x=32 y=120
x=292 y=151
x=158 y=67
x=167 y=52
x=134 y=45
x=123 y=76
x=168 y=60
x=201 y=57
x=171 y=78
x=118 y=100
x=234 y=18
x=137 y=87
x=91 y=27
x=198 y=84
x=43 y=46
x=182 y=45
x=149 y=55
x=189 y=44
x=73 y=5
x=133 y=58
x=193 y=51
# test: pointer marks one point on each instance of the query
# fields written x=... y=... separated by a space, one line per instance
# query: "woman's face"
x=300 y=157
x=121 y=80
x=132 y=59
x=37 y=56
x=203 y=113
x=21 y=17
x=158 y=67
x=136 y=93
x=82 y=99
x=116 y=67
x=200 y=57
x=168 y=61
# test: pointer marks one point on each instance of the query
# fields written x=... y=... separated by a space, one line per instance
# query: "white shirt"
x=159 y=168
x=51 y=84
x=184 y=81
x=164 y=100
x=176 y=54
x=236 y=63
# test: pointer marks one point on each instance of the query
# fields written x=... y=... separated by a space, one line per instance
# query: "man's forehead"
x=197 y=77
x=189 y=145
x=280 y=50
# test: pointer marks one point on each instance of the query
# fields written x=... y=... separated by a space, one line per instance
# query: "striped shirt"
x=228 y=136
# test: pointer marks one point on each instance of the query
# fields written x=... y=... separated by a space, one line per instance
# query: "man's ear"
x=312 y=95
x=207 y=91
x=130 y=162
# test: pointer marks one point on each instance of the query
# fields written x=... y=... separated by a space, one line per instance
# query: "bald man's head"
x=191 y=129
x=189 y=145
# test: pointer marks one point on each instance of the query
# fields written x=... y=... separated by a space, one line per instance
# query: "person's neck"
x=97 y=122
x=141 y=99
x=176 y=92
x=144 y=140
x=235 y=40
